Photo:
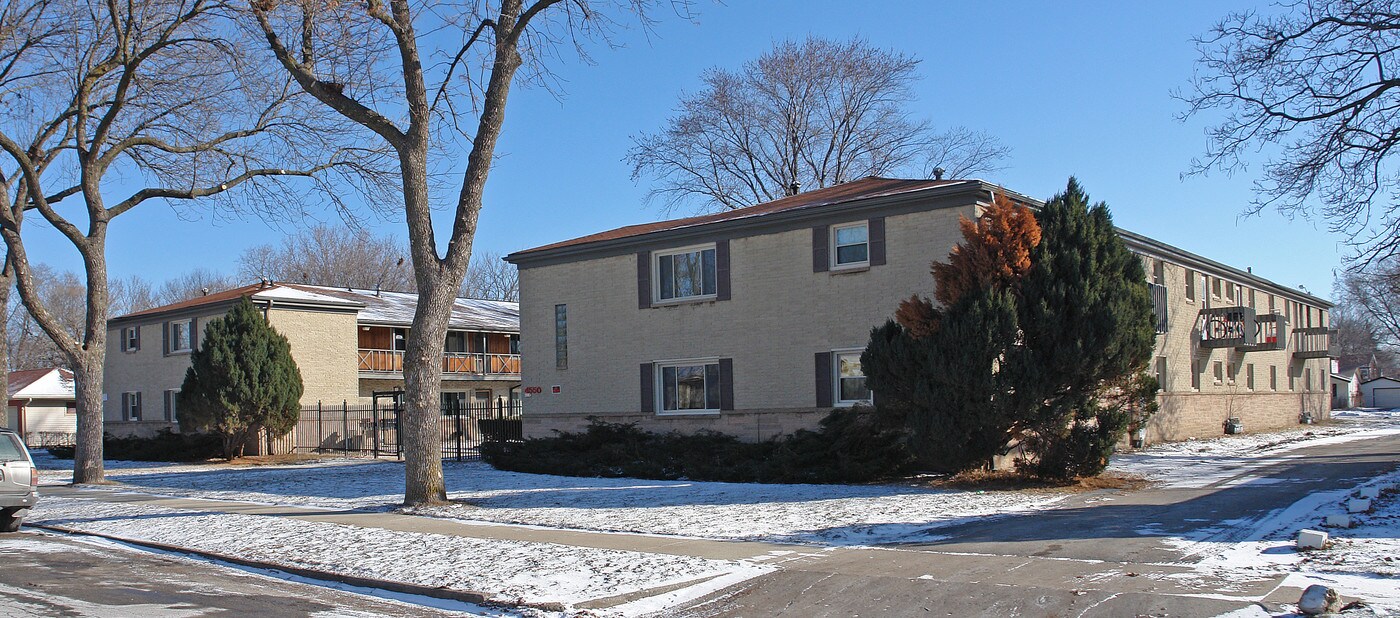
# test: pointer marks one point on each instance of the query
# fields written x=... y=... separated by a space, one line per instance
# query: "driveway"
x=1101 y=553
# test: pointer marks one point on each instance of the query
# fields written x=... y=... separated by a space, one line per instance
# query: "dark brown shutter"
x=168 y=396
x=824 y=379
x=137 y=328
x=194 y=334
x=648 y=389
x=165 y=338
x=126 y=407
x=821 y=260
x=643 y=279
x=722 y=270
x=876 y=235
x=726 y=384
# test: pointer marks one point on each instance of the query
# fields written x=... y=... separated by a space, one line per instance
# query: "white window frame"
x=174 y=415
x=659 y=380
x=832 y=247
x=133 y=402
x=189 y=336
x=131 y=338
x=836 y=399
x=656 y=256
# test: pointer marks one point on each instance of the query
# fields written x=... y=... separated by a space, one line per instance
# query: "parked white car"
x=19 y=481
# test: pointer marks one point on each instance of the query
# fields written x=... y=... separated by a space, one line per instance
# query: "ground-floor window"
x=850 y=379
x=689 y=386
x=131 y=406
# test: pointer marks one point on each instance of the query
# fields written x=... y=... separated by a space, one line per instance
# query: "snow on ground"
x=824 y=514
x=506 y=571
x=1202 y=463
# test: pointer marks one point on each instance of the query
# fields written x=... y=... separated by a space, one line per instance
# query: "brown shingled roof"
x=207 y=299
x=865 y=188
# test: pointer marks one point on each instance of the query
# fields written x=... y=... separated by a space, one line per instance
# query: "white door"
x=1386 y=397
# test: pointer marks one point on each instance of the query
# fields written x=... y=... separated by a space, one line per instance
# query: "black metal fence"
x=374 y=430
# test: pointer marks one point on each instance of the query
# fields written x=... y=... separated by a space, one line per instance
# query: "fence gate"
x=386 y=421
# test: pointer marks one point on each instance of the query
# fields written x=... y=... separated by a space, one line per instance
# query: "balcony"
x=453 y=363
x=1270 y=333
x=1315 y=342
x=1228 y=327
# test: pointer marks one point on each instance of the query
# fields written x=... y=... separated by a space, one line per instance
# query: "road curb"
x=465 y=596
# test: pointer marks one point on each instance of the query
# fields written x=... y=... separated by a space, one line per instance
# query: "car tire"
x=9 y=522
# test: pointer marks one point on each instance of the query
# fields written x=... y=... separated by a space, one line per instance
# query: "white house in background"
x=42 y=408
x=1344 y=392
x=1380 y=392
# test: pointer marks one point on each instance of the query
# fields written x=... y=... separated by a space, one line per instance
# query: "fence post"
x=458 y=425
x=345 y=426
x=320 y=428
x=374 y=418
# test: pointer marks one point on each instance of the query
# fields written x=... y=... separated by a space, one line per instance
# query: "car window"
x=11 y=449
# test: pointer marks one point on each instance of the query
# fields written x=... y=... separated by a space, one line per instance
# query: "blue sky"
x=1074 y=88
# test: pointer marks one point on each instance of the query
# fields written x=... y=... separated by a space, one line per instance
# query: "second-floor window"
x=131 y=338
x=685 y=273
x=850 y=245
x=180 y=340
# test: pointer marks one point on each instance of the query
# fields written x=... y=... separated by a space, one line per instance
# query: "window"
x=1307 y=380
x=1190 y=286
x=1271 y=304
x=131 y=406
x=131 y=338
x=1249 y=376
x=850 y=379
x=180 y=335
x=1159 y=272
x=1251 y=297
x=1273 y=377
x=1195 y=375
x=1219 y=373
x=688 y=273
x=1234 y=372
x=689 y=386
x=171 y=404
x=1161 y=373
x=561 y=336
x=1215 y=287
x=850 y=245
x=1292 y=379
x=515 y=344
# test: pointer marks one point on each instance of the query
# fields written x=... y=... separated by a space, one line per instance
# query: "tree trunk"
x=422 y=372
x=87 y=456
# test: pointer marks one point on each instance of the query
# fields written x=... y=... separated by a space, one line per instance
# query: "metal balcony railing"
x=455 y=363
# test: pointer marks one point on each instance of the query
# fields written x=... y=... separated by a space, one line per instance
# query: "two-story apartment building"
x=348 y=344
x=751 y=322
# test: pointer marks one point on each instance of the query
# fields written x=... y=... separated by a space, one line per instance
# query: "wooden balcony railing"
x=1271 y=333
x=1315 y=342
x=453 y=363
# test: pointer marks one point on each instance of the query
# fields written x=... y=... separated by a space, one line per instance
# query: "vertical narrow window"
x=1195 y=375
x=1251 y=297
x=1307 y=380
x=1273 y=377
x=561 y=336
x=1159 y=272
x=1190 y=285
x=1161 y=373
x=1219 y=373
x=1249 y=376
x=172 y=405
x=1232 y=372
x=850 y=245
x=850 y=379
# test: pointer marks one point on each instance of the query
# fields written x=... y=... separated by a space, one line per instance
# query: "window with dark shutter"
x=821 y=260
x=648 y=389
x=823 y=363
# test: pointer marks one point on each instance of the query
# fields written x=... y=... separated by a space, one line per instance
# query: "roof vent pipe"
x=938 y=173
x=794 y=188
x=203 y=291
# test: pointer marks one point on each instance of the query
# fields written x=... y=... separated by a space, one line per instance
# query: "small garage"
x=1381 y=393
x=42 y=406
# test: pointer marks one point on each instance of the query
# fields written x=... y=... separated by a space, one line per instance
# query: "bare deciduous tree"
x=417 y=78
x=1312 y=84
x=332 y=256
x=491 y=278
x=131 y=294
x=29 y=347
x=815 y=113
x=158 y=93
x=193 y=284
x=1370 y=297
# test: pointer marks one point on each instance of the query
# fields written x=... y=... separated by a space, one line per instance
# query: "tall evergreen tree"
x=1086 y=329
x=241 y=379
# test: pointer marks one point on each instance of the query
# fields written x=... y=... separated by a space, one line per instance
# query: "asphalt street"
x=1099 y=554
x=49 y=575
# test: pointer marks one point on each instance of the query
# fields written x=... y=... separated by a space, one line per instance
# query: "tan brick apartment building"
x=751 y=322
x=348 y=344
